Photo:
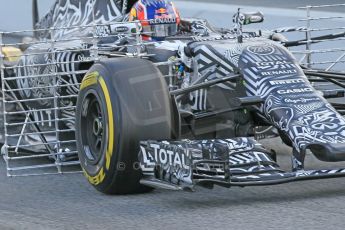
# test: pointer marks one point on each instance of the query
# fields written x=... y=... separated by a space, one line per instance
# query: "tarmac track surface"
x=69 y=202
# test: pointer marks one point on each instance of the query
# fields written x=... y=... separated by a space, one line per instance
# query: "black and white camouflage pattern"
x=181 y=162
x=75 y=17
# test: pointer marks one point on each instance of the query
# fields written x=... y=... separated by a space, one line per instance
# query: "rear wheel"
x=121 y=102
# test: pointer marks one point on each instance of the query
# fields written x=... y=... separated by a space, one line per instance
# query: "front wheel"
x=120 y=103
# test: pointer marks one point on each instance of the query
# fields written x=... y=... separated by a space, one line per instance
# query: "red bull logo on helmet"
x=161 y=11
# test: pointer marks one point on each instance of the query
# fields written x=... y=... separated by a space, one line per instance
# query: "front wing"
x=182 y=165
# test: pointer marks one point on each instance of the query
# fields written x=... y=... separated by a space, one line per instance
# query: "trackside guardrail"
x=325 y=45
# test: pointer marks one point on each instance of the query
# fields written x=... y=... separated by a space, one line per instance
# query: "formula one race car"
x=155 y=100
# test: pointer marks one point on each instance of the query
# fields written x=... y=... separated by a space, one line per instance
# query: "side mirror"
x=241 y=19
x=129 y=28
x=27 y=41
x=249 y=18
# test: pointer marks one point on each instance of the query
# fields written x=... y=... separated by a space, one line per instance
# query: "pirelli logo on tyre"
x=89 y=79
x=95 y=180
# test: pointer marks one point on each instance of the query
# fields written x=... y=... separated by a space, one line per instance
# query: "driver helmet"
x=159 y=18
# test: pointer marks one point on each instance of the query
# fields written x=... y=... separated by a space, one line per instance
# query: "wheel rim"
x=93 y=129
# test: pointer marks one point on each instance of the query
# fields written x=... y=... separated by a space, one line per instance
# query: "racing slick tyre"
x=121 y=102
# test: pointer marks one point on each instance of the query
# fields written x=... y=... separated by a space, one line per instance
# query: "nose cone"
x=291 y=104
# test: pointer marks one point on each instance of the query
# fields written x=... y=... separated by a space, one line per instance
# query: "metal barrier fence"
x=39 y=97
x=39 y=94
x=323 y=50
